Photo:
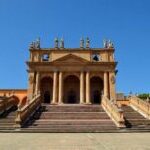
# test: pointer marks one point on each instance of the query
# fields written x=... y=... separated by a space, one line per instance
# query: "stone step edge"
x=74 y=120
x=44 y=112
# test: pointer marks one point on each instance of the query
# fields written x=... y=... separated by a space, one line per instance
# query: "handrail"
x=6 y=103
x=24 y=113
x=140 y=105
x=115 y=113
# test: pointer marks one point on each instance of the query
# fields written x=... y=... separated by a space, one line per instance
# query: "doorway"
x=71 y=89
x=47 y=97
x=96 y=89
x=46 y=86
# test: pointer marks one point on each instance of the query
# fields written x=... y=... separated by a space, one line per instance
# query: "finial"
x=62 y=43
x=82 y=43
x=56 y=42
x=87 y=42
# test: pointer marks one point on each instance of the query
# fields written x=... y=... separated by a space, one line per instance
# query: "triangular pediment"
x=70 y=58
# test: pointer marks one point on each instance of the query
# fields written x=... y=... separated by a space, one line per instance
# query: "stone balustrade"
x=24 y=113
x=115 y=113
x=6 y=103
x=140 y=105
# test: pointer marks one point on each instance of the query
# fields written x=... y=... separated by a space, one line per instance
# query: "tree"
x=144 y=96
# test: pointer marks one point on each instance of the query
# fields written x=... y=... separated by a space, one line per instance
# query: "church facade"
x=71 y=90
x=72 y=75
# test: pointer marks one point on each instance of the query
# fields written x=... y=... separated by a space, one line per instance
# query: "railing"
x=115 y=113
x=6 y=103
x=24 y=113
x=140 y=105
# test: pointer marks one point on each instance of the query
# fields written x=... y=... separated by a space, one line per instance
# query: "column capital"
x=55 y=70
x=82 y=71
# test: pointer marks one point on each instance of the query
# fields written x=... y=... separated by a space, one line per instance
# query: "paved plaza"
x=74 y=141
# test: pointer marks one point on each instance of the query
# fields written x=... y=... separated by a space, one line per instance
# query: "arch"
x=96 y=86
x=16 y=100
x=71 y=74
x=97 y=74
x=46 y=88
x=71 y=89
x=24 y=101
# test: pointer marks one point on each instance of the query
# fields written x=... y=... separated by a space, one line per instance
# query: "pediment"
x=70 y=58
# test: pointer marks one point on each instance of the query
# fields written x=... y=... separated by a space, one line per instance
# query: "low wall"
x=123 y=102
x=20 y=94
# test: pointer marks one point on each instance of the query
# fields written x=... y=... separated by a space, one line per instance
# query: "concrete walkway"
x=74 y=141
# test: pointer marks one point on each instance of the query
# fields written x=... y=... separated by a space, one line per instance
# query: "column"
x=88 y=88
x=60 y=99
x=54 y=101
x=81 y=87
x=106 y=84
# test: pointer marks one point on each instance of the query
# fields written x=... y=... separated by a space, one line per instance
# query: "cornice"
x=71 y=49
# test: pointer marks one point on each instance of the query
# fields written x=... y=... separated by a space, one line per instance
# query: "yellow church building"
x=71 y=90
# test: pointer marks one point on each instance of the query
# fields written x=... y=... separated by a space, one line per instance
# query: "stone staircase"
x=7 y=119
x=135 y=120
x=74 y=118
x=70 y=118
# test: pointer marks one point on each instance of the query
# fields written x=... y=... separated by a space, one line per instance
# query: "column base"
x=88 y=103
x=60 y=103
x=82 y=103
x=54 y=103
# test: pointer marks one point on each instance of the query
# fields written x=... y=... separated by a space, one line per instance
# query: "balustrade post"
x=18 y=119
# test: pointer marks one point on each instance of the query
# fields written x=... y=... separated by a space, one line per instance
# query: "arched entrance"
x=46 y=89
x=71 y=89
x=96 y=84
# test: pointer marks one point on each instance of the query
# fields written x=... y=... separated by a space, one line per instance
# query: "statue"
x=31 y=45
x=56 y=43
x=105 y=43
x=82 y=43
x=35 y=44
x=38 y=43
x=110 y=44
x=62 y=43
x=87 y=42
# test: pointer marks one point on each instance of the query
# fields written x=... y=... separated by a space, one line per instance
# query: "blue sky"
x=126 y=22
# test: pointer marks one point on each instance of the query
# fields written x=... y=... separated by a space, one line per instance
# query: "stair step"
x=134 y=118
x=73 y=115
x=139 y=121
x=73 y=122
x=77 y=108
x=71 y=126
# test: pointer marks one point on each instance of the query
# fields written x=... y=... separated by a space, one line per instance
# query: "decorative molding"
x=31 y=79
x=113 y=79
